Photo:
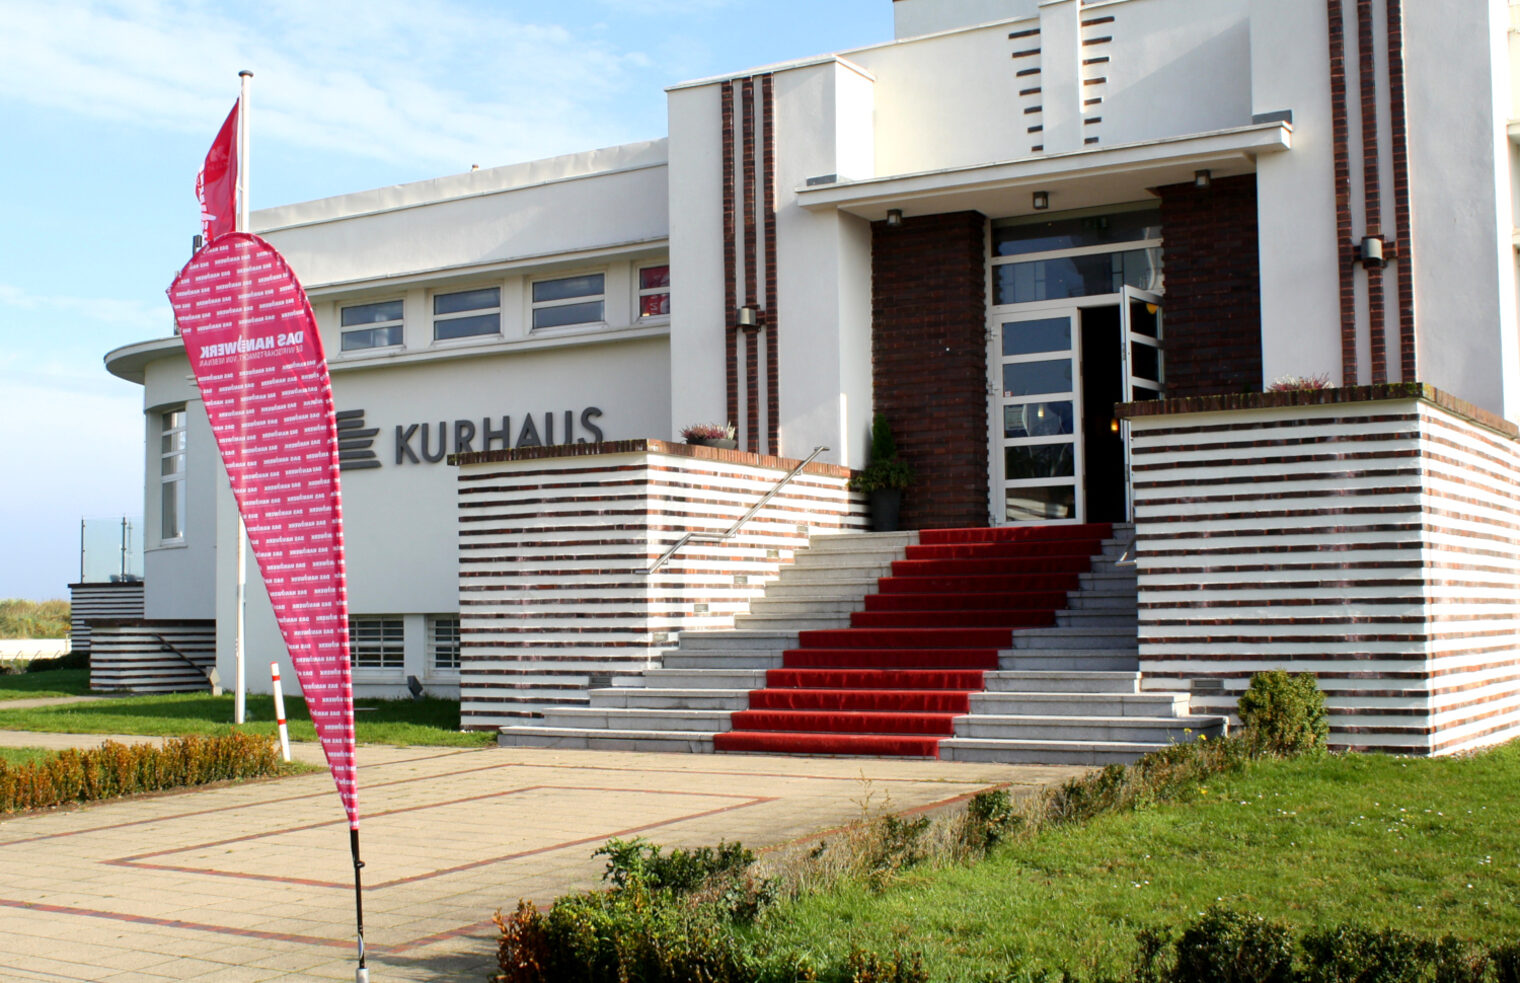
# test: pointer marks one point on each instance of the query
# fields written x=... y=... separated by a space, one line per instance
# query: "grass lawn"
x=1430 y=846
x=53 y=682
x=22 y=755
x=426 y=721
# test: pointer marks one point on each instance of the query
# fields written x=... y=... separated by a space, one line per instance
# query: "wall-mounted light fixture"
x=894 y=218
x=1370 y=253
x=1041 y=200
x=1203 y=180
x=747 y=319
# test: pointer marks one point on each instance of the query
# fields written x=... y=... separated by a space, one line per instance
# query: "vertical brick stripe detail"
x=730 y=334
x=1213 y=287
x=128 y=655
x=751 y=288
x=1341 y=140
x=89 y=603
x=552 y=590
x=1374 y=544
x=929 y=361
x=1372 y=194
x=772 y=318
x=1404 y=254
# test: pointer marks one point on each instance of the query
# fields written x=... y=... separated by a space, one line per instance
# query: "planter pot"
x=726 y=443
x=886 y=507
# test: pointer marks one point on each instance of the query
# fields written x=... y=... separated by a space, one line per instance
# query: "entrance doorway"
x=1058 y=452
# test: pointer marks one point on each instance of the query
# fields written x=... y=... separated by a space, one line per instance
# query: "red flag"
x=253 y=345
x=216 y=184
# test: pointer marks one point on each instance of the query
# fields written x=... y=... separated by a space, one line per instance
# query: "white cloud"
x=429 y=82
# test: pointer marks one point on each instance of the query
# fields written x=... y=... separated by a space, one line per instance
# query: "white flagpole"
x=240 y=690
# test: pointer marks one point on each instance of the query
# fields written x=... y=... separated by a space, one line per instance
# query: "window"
x=443 y=642
x=371 y=325
x=376 y=643
x=171 y=448
x=654 y=291
x=569 y=300
x=467 y=313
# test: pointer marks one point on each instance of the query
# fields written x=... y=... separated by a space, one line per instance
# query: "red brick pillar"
x=929 y=361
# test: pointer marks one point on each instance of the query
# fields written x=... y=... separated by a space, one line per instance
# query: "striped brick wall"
x=92 y=602
x=554 y=543
x=139 y=656
x=1370 y=535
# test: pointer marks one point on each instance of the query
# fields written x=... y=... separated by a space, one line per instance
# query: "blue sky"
x=107 y=108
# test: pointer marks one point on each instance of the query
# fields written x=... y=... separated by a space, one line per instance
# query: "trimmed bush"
x=1285 y=714
x=1226 y=946
x=115 y=769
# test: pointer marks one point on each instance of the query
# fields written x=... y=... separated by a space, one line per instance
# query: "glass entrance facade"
x=1075 y=326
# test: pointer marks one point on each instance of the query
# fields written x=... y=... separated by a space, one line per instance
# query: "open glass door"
x=1038 y=415
x=1144 y=371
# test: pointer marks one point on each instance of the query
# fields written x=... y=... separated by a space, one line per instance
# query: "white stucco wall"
x=178 y=572
x=1458 y=164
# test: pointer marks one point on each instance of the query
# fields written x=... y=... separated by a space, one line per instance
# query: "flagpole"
x=240 y=690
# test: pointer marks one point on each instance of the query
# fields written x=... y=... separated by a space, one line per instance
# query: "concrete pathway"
x=253 y=882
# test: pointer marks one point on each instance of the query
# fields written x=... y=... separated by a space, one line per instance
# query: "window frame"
x=390 y=643
x=436 y=318
x=344 y=331
x=436 y=645
x=534 y=306
x=172 y=483
x=640 y=291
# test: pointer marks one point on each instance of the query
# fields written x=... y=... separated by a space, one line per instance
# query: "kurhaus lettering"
x=429 y=443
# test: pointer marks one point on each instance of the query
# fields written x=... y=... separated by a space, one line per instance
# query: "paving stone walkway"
x=253 y=882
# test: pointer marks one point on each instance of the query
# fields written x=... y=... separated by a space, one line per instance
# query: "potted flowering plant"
x=884 y=478
x=710 y=435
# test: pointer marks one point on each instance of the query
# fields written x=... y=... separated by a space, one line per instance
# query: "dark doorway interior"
x=1102 y=387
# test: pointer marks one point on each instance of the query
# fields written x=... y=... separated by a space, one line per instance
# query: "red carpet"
x=896 y=679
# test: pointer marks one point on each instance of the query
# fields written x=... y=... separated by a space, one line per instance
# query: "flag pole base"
x=361 y=975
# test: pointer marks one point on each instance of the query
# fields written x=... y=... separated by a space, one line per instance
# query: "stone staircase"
x=804 y=673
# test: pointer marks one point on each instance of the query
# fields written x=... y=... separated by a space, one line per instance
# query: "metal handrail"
x=213 y=677
x=721 y=537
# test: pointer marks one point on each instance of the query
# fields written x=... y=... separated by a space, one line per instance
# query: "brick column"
x=929 y=361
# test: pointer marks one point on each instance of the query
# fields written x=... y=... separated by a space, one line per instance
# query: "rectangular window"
x=654 y=291
x=371 y=325
x=376 y=643
x=467 y=313
x=443 y=642
x=171 y=448
x=569 y=300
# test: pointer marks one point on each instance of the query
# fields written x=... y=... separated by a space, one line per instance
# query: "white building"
x=1017 y=210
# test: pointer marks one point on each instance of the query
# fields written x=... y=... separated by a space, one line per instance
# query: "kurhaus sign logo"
x=430 y=443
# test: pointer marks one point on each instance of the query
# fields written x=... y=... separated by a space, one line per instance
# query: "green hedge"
x=125 y=769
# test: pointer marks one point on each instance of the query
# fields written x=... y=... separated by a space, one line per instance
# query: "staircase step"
x=1150 y=704
x=1001 y=601
x=1013 y=534
x=1151 y=730
x=667 y=698
x=605 y=740
x=766 y=622
x=1048 y=564
x=981 y=583
x=873 y=745
x=636 y=718
x=837 y=722
x=991 y=551
x=1102 y=600
x=1007 y=618
x=1045 y=752
x=854 y=541
x=704 y=679
x=933 y=701
x=1114 y=637
x=898 y=679
x=1068 y=660
x=863 y=658
x=737 y=639
x=1098 y=619
x=1060 y=681
x=727 y=660
x=802 y=607
x=907 y=638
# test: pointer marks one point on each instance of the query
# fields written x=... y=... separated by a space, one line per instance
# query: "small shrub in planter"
x=1285 y=714
x=1292 y=383
x=884 y=478
x=710 y=435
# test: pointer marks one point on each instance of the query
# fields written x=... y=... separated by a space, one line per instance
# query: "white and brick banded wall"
x=93 y=602
x=555 y=542
x=1370 y=535
x=158 y=656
